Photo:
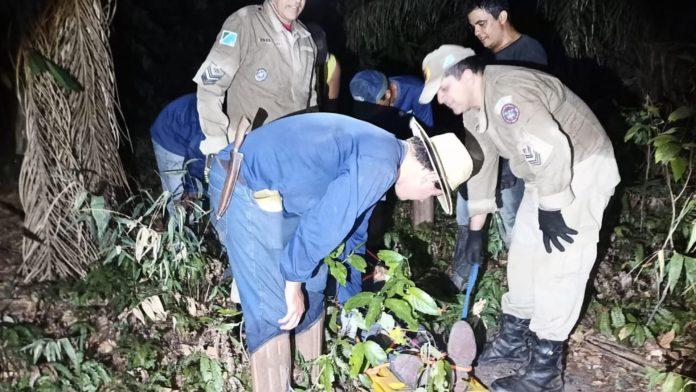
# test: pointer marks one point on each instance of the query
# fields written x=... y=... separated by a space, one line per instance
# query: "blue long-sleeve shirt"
x=330 y=170
x=408 y=89
x=177 y=129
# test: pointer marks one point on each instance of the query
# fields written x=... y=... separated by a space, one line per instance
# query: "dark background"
x=158 y=46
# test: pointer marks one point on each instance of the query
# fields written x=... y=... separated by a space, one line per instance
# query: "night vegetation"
x=124 y=299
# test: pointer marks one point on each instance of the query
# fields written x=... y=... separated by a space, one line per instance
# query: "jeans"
x=510 y=199
x=254 y=240
x=171 y=171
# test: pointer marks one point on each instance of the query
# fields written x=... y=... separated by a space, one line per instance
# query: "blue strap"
x=473 y=275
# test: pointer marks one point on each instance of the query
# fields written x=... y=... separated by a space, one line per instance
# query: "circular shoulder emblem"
x=510 y=113
x=261 y=75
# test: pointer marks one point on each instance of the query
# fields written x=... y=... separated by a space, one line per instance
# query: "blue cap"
x=368 y=86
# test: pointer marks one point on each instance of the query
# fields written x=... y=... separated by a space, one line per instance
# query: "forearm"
x=476 y=222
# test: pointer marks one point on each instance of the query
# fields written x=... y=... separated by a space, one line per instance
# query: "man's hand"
x=553 y=227
x=212 y=145
x=473 y=250
x=294 y=300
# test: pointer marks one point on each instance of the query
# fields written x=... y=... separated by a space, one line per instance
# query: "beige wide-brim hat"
x=450 y=159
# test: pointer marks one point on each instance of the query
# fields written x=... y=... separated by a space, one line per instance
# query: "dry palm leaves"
x=72 y=133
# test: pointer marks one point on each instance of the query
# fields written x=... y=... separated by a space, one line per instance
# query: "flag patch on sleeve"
x=228 y=38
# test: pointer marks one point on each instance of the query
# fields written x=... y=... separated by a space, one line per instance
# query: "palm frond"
x=72 y=136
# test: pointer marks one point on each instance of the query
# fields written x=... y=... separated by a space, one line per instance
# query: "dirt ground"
x=587 y=369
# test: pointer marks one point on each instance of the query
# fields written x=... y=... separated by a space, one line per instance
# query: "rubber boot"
x=309 y=344
x=510 y=344
x=543 y=373
x=460 y=268
x=270 y=365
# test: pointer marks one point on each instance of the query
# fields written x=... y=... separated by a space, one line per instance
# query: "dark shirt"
x=177 y=129
x=525 y=52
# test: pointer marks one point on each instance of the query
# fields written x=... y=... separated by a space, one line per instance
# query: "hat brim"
x=445 y=199
x=429 y=90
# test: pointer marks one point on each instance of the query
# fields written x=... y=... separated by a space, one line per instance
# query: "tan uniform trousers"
x=549 y=288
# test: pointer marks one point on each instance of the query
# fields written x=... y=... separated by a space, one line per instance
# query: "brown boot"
x=270 y=365
x=310 y=342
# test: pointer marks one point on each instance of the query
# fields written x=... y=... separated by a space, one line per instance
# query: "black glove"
x=467 y=253
x=553 y=226
x=473 y=250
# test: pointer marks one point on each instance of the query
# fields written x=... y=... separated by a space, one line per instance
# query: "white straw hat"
x=450 y=160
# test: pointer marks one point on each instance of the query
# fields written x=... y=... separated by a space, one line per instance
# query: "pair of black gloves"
x=551 y=224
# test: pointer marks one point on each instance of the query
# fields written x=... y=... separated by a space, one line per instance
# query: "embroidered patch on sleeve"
x=510 y=113
x=212 y=74
x=536 y=151
x=228 y=38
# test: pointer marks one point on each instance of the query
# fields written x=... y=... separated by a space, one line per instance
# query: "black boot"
x=510 y=344
x=543 y=373
x=460 y=267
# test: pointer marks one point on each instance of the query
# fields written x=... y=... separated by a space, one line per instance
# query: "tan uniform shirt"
x=260 y=65
x=543 y=128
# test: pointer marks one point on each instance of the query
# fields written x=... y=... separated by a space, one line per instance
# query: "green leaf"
x=357 y=357
x=204 y=367
x=632 y=132
x=391 y=259
x=626 y=331
x=338 y=251
x=38 y=349
x=402 y=310
x=638 y=337
x=338 y=271
x=666 y=152
x=357 y=262
x=690 y=267
x=70 y=351
x=678 y=166
x=652 y=109
x=631 y=318
x=681 y=113
x=79 y=200
x=37 y=62
x=663 y=139
x=359 y=300
x=374 y=353
x=421 y=301
x=674 y=270
x=603 y=323
x=327 y=375
x=617 y=317
x=63 y=78
x=373 y=311
x=100 y=214
x=673 y=383
x=692 y=237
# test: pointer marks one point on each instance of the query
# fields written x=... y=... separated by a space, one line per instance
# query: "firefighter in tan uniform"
x=556 y=144
x=263 y=57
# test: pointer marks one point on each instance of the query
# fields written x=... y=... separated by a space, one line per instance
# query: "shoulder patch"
x=510 y=113
x=228 y=38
